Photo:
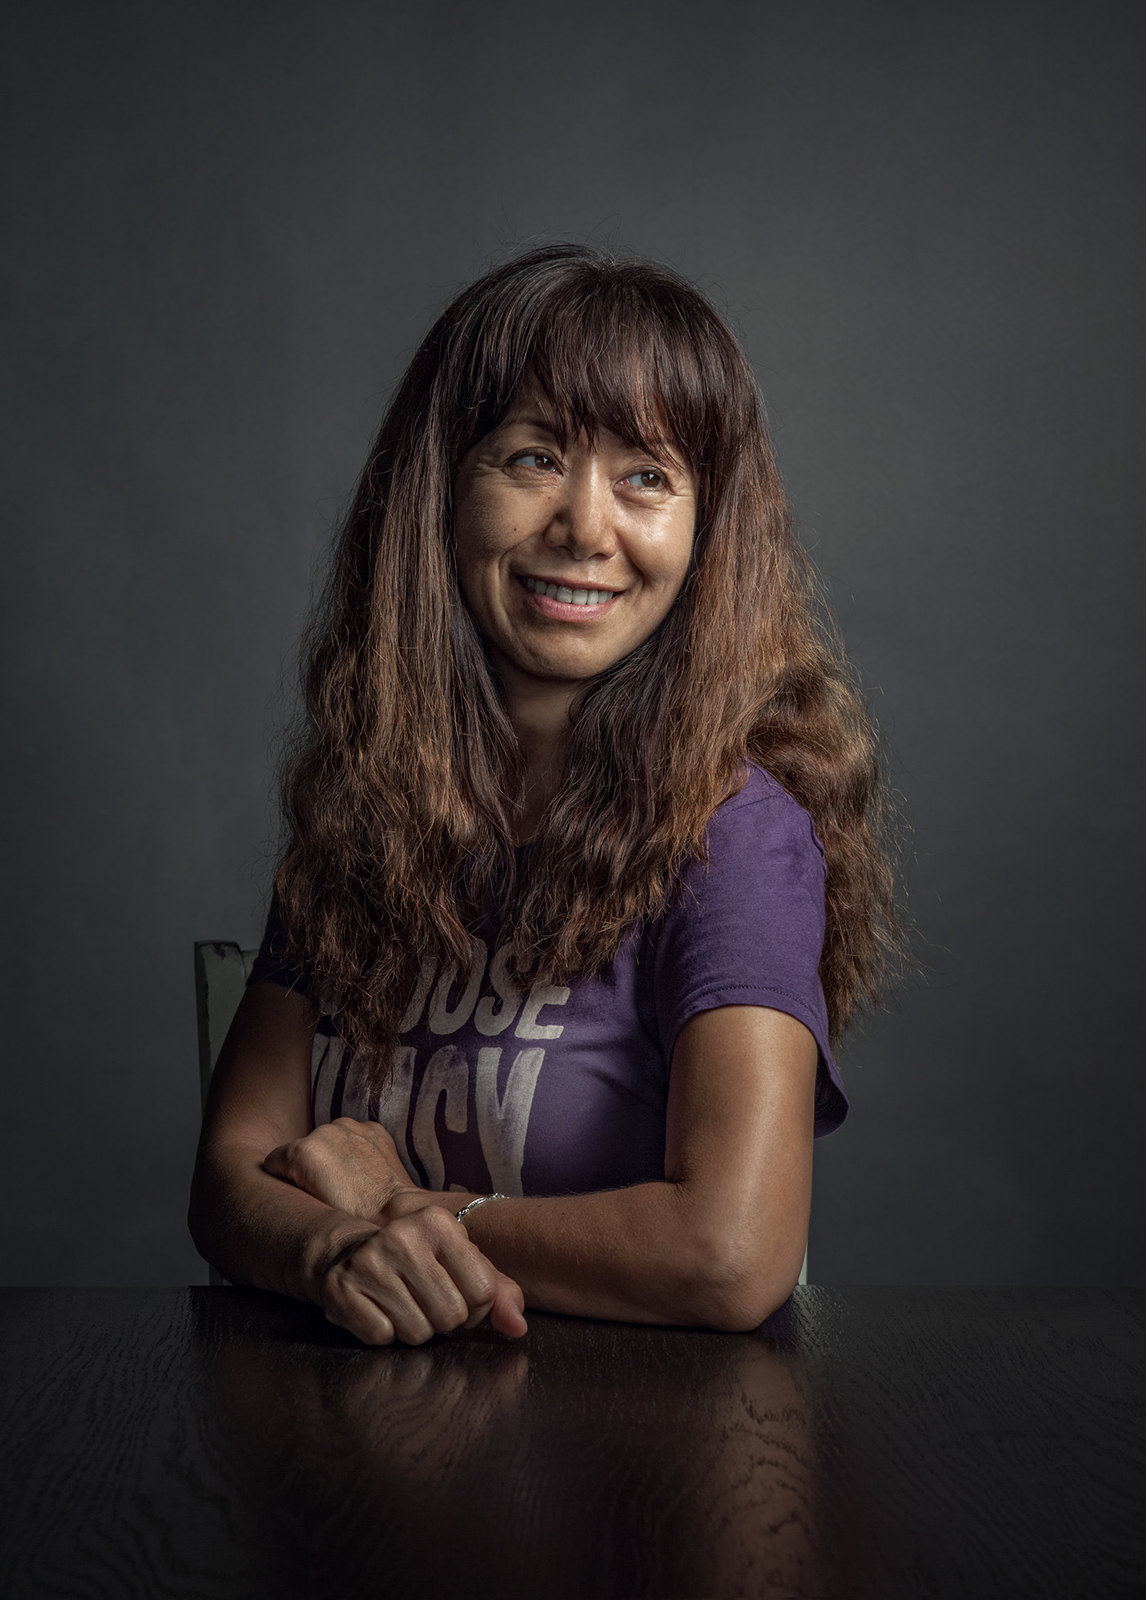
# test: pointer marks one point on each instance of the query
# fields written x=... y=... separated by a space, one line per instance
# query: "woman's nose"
x=585 y=520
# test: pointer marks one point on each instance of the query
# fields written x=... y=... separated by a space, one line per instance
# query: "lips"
x=564 y=610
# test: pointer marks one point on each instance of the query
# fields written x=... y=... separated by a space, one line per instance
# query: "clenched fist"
x=419 y=1273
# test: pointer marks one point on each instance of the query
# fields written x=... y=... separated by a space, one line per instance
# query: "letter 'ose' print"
x=446 y=1089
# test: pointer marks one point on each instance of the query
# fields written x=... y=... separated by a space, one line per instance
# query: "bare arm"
x=240 y=1218
x=402 y=1277
x=718 y=1244
x=721 y=1242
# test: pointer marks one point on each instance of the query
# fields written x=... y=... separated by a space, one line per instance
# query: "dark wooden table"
x=864 y=1442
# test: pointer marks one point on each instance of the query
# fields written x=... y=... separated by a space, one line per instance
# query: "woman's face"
x=608 y=518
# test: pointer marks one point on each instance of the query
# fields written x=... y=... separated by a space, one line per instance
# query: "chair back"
x=221 y=973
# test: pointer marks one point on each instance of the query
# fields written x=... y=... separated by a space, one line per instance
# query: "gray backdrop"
x=232 y=224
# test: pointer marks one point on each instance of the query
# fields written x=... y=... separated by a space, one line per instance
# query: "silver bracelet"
x=480 y=1201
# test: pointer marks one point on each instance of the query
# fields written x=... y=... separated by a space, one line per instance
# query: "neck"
x=539 y=712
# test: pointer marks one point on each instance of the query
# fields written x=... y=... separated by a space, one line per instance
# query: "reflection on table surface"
x=862 y=1442
x=559 y=1475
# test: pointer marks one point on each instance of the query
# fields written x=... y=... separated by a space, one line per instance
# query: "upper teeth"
x=576 y=597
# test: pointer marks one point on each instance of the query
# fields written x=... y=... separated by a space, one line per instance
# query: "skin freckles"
x=608 y=517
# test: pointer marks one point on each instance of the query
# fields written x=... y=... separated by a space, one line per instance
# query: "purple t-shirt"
x=564 y=1089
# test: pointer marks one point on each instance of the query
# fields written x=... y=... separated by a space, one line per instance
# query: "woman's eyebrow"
x=524 y=419
x=530 y=417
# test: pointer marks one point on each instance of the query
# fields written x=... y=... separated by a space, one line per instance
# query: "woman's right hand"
x=417 y=1275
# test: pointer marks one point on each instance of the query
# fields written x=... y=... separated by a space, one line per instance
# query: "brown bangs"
x=620 y=350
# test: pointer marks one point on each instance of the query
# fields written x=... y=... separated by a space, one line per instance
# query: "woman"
x=583 y=877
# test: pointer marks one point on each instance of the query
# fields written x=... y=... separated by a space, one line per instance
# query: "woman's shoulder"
x=763 y=812
x=748 y=926
x=760 y=849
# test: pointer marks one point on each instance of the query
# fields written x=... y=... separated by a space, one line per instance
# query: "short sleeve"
x=273 y=963
x=748 y=928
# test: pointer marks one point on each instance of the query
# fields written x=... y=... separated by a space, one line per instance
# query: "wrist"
x=467 y=1206
x=408 y=1197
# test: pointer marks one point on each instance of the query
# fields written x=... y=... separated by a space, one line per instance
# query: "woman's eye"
x=646 y=473
x=536 y=455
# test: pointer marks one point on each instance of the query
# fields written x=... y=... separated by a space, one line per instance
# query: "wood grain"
x=864 y=1442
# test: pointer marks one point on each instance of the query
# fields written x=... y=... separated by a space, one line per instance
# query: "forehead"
x=530 y=406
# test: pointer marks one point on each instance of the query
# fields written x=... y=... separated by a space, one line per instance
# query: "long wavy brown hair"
x=403 y=785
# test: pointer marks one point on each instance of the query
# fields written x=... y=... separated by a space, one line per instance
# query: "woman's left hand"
x=353 y=1166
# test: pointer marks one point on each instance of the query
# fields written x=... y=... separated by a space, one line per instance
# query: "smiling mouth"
x=566 y=593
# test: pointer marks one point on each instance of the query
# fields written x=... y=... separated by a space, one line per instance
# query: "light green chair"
x=221 y=973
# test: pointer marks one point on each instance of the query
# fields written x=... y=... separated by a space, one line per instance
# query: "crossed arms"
x=330 y=1215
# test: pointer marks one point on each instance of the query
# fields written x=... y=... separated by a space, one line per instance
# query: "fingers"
x=456 y=1286
x=506 y=1312
x=419 y=1275
x=385 y=1313
x=474 y=1274
x=361 y=1317
x=392 y=1312
x=277 y=1162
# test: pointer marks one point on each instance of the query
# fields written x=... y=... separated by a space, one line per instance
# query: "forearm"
x=628 y=1255
x=256 y=1229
